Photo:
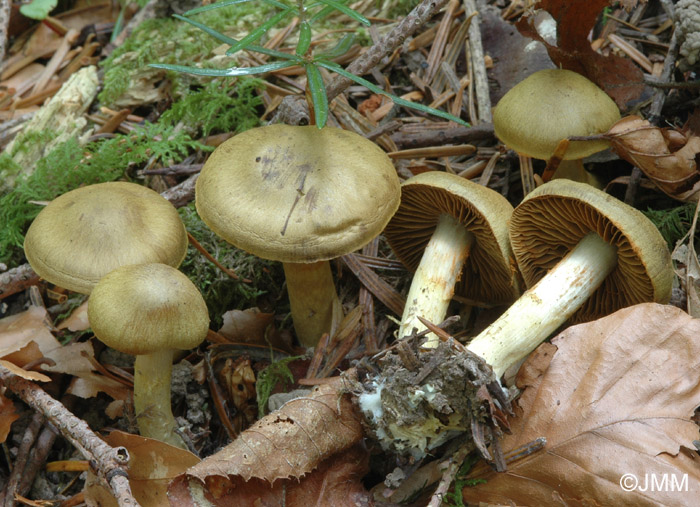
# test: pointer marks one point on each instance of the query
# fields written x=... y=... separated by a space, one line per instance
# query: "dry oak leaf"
x=292 y=441
x=617 y=398
x=619 y=77
x=152 y=465
x=667 y=157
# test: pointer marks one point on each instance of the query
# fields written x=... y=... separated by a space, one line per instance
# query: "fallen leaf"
x=152 y=465
x=336 y=481
x=667 y=157
x=618 y=77
x=19 y=330
x=290 y=442
x=77 y=320
x=616 y=399
x=8 y=415
x=20 y=372
x=246 y=326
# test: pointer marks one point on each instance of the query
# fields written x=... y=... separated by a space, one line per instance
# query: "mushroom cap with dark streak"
x=297 y=194
x=554 y=217
x=489 y=275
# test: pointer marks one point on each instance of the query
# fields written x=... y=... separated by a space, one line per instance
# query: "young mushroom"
x=584 y=254
x=302 y=196
x=549 y=106
x=454 y=234
x=84 y=234
x=150 y=311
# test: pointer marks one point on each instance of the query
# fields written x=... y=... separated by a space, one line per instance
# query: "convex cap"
x=84 y=234
x=488 y=275
x=144 y=308
x=551 y=105
x=554 y=217
x=297 y=194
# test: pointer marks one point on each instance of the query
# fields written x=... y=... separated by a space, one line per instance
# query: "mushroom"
x=150 y=310
x=454 y=234
x=583 y=254
x=549 y=106
x=302 y=196
x=84 y=234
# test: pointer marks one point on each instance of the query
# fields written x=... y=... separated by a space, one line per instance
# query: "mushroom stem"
x=152 y=373
x=312 y=298
x=546 y=305
x=433 y=283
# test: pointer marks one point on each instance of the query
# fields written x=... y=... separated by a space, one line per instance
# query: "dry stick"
x=42 y=448
x=657 y=104
x=4 y=25
x=108 y=463
x=7 y=496
x=481 y=84
x=452 y=465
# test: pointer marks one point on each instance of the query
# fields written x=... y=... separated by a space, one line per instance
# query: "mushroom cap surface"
x=551 y=105
x=84 y=234
x=143 y=308
x=297 y=194
x=554 y=217
x=489 y=274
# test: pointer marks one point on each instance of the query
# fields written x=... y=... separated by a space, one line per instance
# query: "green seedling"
x=308 y=14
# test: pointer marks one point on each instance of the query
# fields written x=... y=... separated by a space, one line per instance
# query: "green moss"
x=221 y=292
x=673 y=223
x=277 y=373
x=218 y=107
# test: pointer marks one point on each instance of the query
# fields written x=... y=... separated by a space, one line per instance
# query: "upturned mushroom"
x=583 y=254
x=302 y=196
x=150 y=311
x=549 y=106
x=454 y=234
x=84 y=234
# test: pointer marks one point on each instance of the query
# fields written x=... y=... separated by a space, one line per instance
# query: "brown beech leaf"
x=667 y=157
x=335 y=482
x=152 y=465
x=246 y=326
x=619 y=77
x=8 y=415
x=616 y=399
x=292 y=441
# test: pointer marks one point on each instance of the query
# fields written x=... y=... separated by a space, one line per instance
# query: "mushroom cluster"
x=583 y=254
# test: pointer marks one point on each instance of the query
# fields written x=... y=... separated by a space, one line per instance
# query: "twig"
x=7 y=496
x=451 y=465
x=16 y=280
x=481 y=83
x=108 y=463
x=4 y=25
x=42 y=447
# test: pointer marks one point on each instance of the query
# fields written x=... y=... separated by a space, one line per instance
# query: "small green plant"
x=38 y=9
x=277 y=372
x=308 y=15
x=461 y=481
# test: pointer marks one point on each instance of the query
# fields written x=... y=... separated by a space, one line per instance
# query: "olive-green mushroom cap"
x=297 y=194
x=551 y=105
x=489 y=274
x=84 y=234
x=554 y=217
x=144 y=308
